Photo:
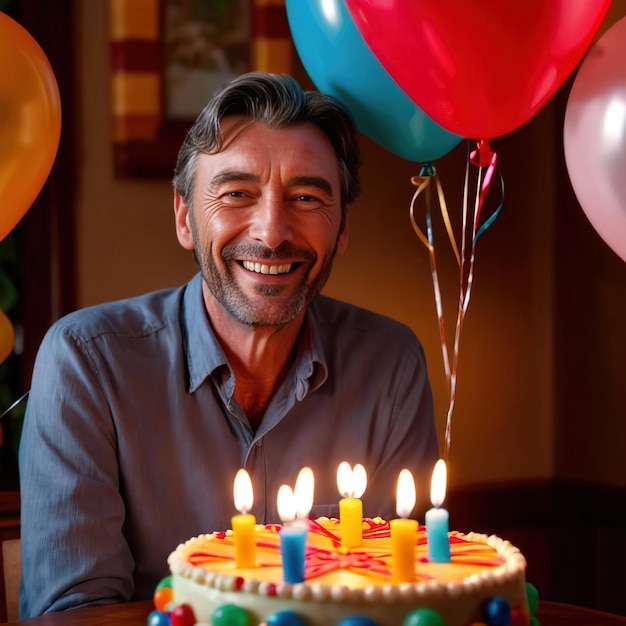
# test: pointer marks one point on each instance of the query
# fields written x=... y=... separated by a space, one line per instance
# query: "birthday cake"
x=482 y=584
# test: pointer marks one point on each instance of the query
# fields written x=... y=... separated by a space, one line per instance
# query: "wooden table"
x=136 y=613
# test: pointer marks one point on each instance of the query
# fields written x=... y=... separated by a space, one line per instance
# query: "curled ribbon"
x=485 y=159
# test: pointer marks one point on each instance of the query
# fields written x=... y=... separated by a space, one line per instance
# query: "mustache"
x=284 y=252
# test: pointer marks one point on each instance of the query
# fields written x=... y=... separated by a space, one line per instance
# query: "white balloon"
x=594 y=137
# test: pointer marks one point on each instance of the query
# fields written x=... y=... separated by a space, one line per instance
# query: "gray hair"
x=277 y=101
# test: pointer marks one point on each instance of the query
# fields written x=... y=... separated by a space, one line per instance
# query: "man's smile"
x=263 y=268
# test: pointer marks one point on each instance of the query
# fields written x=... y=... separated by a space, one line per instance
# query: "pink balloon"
x=595 y=137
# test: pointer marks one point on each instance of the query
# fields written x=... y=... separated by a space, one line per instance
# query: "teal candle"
x=437 y=517
x=293 y=551
x=437 y=535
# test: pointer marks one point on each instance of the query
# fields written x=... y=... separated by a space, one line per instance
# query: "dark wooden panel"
x=571 y=533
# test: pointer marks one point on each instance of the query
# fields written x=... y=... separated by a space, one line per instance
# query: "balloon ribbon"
x=473 y=227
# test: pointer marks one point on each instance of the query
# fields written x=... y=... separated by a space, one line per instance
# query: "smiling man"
x=142 y=411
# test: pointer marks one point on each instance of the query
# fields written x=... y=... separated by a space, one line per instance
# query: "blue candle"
x=292 y=551
x=437 y=517
x=293 y=508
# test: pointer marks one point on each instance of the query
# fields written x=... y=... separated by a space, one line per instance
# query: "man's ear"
x=183 y=228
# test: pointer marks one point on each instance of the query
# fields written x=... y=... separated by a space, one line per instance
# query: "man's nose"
x=271 y=222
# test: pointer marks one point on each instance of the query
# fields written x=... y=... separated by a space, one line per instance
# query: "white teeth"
x=261 y=268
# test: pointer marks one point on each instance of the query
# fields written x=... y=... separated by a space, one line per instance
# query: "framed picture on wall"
x=169 y=56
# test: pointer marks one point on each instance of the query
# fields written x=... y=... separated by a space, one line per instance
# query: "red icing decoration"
x=271 y=589
x=321 y=561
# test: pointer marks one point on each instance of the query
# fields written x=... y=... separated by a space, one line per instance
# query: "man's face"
x=265 y=220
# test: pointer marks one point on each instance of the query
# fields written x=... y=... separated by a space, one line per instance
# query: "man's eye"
x=235 y=197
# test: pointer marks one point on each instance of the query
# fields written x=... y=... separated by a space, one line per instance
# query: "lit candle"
x=303 y=492
x=351 y=484
x=404 y=531
x=244 y=523
x=437 y=517
x=293 y=509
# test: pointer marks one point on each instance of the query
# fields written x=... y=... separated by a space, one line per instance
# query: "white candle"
x=404 y=531
x=437 y=517
x=351 y=484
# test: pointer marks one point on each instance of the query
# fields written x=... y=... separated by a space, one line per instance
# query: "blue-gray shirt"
x=132 y=436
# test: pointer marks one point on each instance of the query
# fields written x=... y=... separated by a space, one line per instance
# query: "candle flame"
x=351 y=482
x=286 y=504
x=242 y=491
x=438 y=483
x=303 y=492
x=406 y=495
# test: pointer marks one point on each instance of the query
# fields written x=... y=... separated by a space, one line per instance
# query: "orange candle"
x=351 y=484
x=404 y=531
x=244 y=524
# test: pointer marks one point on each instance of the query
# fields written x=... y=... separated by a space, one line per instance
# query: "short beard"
x=240 y=307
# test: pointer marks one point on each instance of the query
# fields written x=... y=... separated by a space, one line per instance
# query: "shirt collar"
x=205 y=355
x=311 y=369
x=203 y=350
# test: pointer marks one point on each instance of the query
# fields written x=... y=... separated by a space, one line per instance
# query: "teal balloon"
x=423 y=617
x=341 y=64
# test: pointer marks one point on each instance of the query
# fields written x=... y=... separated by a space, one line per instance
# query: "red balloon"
x=480 y=68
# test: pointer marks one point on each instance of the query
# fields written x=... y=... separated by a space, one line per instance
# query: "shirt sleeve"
x=73 y=548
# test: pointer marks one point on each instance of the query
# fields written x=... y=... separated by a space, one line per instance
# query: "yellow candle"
x=245 y=540
x=244 y=533
x=404 y=531
x=351 y=521
x=403 y=536
x=351 y=484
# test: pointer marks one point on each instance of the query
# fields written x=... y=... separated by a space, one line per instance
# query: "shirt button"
x=259 y=443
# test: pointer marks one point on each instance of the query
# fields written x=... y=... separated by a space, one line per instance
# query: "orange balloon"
x=30 y=121
x=7 y=336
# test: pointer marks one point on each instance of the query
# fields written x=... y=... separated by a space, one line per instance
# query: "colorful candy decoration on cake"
x=496 y=612
x=167 y=612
